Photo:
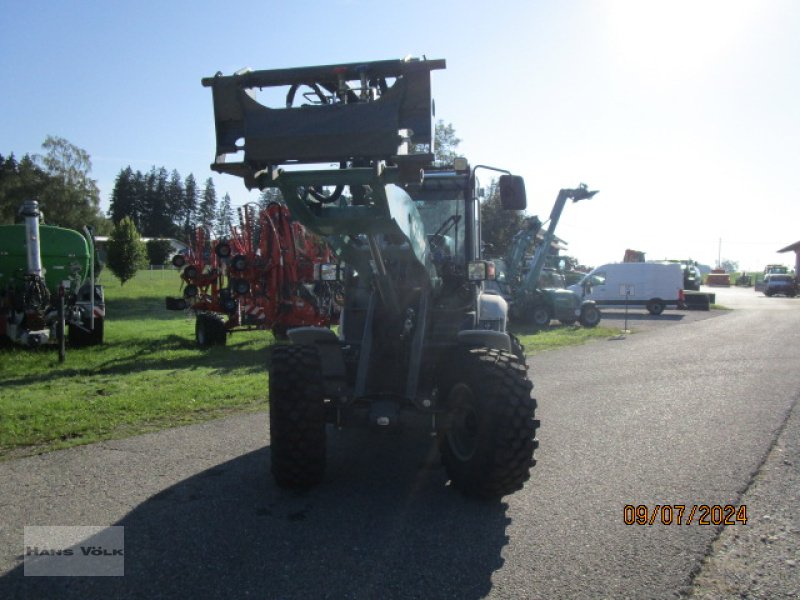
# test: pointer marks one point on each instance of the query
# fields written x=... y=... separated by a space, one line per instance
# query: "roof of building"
x=795 y=247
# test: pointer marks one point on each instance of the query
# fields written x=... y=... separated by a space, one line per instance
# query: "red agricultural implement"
x=261 y=277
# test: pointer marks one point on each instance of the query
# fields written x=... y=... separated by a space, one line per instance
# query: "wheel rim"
x=462 y=435
x=540 y=317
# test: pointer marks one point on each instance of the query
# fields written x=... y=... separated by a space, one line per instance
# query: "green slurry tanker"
x=47 y=275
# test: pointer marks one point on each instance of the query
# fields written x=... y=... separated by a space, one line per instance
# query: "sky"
x=684 y=114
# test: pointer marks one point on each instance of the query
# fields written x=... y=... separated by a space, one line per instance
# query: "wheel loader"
x=350 y=146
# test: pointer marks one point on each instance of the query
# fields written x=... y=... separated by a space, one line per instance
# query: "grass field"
x=149 y=374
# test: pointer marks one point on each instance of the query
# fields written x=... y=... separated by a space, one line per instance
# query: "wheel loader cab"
x=449 y=221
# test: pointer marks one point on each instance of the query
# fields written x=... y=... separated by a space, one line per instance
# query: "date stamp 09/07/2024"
x=684 y=514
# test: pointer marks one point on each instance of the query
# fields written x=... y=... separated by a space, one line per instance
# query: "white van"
x=654 y=286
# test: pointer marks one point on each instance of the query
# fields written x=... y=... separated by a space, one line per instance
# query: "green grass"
x=559 y=336
x=149 y=374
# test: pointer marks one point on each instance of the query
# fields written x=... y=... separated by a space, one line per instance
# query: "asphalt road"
x=690 y=412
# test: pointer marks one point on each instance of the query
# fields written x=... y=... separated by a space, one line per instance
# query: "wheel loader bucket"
x=359 y=111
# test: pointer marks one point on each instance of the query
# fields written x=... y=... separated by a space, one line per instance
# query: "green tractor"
x=418 y=335
x=47 y=284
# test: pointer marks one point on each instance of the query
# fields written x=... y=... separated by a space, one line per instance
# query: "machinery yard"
x=390 y=505
x=400 y=313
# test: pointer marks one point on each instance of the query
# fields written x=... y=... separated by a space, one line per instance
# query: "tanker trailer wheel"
x=296 y=417
x=86 y=337
x=280 y=333
x=209 y=330
x=590 y=316
x=487 y=438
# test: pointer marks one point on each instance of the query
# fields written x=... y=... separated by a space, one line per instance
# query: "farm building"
x=796 y=248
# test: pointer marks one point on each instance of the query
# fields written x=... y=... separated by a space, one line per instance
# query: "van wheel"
x=655 y=307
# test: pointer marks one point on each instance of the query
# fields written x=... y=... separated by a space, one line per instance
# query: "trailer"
x=48 y=291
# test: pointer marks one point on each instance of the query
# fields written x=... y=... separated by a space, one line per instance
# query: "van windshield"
x=598 y=278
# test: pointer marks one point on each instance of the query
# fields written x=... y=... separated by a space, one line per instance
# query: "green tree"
x=175 y=203
x=126 y=252
x=224 y=217
x=19 y=181
x=157 y=217
x=71 y=197
x=445 y=143
x=207 y=213
x=268 y=196
x=189 y=209
x=498 y=226
x=123 y=197
x=158 y=251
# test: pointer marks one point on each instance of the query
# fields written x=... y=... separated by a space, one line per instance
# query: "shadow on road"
x=383 y=524
x=637 y=316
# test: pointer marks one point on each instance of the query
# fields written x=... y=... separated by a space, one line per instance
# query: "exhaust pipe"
x=30 y=211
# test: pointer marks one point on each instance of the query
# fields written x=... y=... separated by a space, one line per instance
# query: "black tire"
x=518 y=350
x=241 y=286
x=238 y=263
x=590 y=315
x=540 y=316
x=79 y=338
x=487 y=438
x=280 y=333
x=61 y=330
x=655 y=307
x=178 y=261
x=223 y=250
x=296 y=417
x=97 y=335
x=209 y=330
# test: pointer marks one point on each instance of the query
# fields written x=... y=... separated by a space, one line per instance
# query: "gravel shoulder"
x=761 y=559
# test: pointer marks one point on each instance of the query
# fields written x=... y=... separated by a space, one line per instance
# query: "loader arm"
x=539 y=257
x=375 y=120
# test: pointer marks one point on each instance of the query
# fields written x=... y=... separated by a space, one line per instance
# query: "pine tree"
x=123 y=197
x=175 y=204
x=224 y=217
x=126 y=252
x=19 y=181
x=189 y=209
x=268 y=196
x=207 y=214
x=140 y=199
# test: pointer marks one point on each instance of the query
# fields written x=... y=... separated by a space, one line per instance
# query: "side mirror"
x=328 y=272
x=512 y=192
x=481 y=270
